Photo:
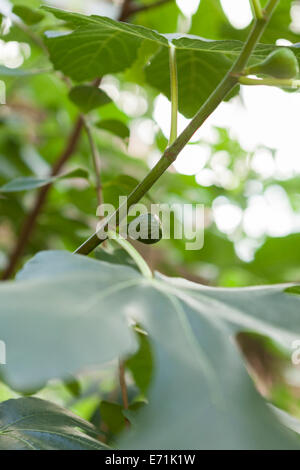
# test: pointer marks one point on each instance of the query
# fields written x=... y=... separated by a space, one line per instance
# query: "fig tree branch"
x=228 y=83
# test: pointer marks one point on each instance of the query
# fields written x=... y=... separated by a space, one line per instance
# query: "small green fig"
x=146 y=229
x=281 y=63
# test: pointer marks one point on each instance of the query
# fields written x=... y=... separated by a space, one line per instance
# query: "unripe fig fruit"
x=281 y=63
x=146 y=229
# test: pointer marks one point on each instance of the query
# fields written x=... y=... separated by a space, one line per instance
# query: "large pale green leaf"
x=65 y=312
x=34 y=424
